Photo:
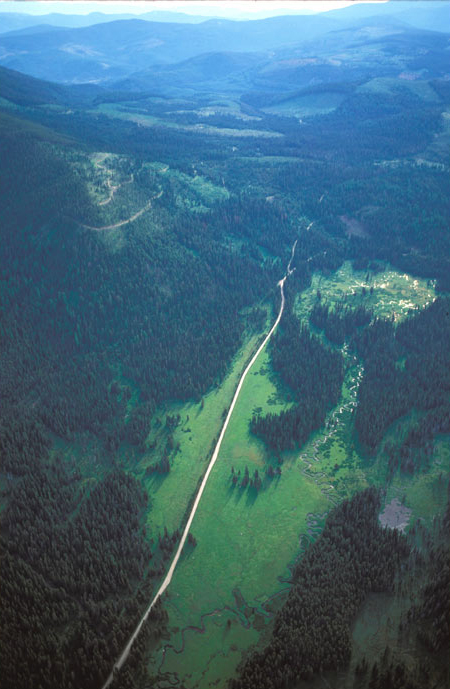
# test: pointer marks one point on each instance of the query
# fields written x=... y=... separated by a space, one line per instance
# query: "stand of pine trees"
x=351 y=558
x=313 y=372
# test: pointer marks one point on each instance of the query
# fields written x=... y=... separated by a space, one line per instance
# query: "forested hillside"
x=68 y=559
x=73 y=299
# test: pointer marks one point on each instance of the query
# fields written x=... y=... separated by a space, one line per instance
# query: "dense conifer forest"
x=313 y=372
x=69 y=556
x=311 y=632
x=406 y=367
x=390 y=389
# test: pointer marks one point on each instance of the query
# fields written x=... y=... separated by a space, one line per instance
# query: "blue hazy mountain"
x=22 y=89
x=435 y=16
x=388 y=52
x=372 y=48
x=15 y=21
x=105 y=51
x=114 y=49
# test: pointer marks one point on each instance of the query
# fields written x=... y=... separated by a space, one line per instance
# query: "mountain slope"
x=27 y=23
x=117 y=48
x=348 y=56
x=25 y=90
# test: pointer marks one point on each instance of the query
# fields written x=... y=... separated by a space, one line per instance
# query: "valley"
x=225 y=377
x=204 y=593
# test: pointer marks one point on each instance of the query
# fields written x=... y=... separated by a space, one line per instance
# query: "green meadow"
x=239 y=557
x=193 y=193
x=224 y=590
x=307 y=105
x=388 y=293
x=146 y=120
x=200 y=424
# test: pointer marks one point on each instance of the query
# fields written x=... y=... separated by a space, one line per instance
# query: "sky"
x=228 y=8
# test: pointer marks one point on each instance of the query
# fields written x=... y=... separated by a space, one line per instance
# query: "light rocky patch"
x=395 y=515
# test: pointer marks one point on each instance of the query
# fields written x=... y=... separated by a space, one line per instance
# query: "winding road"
x=169 y=575
x=112 y=188
x=124 y=222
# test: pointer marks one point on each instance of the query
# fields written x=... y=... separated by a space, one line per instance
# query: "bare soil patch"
x=395 y=515
x=353 y=227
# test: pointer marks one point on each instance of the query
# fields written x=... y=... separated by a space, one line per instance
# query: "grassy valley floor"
x=225 y=589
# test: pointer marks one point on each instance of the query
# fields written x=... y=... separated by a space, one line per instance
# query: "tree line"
x=314 y=375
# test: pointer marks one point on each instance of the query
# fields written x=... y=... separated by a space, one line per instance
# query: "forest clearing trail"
x=169 y=575
x=113 y=188
x=124 y=222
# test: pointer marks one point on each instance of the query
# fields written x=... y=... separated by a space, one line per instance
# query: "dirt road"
x=169 y=575
x=123 y=222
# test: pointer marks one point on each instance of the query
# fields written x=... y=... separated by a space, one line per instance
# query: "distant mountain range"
x=336 y=62
x=106 y=51
x=18 y=21
x=315 y=77
x=434 y=16
x=351 y=56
